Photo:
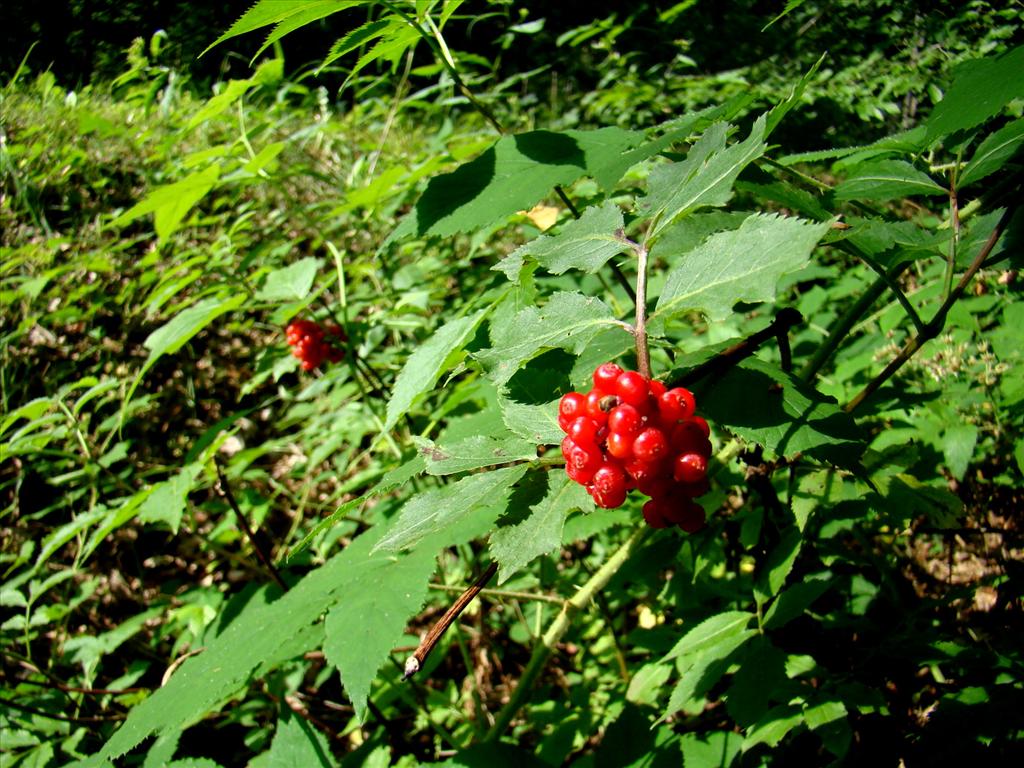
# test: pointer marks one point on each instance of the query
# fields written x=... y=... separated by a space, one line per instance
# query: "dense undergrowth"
x=168 y=470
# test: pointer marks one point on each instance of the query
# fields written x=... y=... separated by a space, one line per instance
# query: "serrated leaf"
x=886 y=180
x=779 y=564
x=171 y=202
x=709 y=633
x=958 y=442
x=980 y=89
x=398 y=38
x=536 y=423
x=516 y=546
x=762 y=403
x=177 y=332
x=795 y=600
x=291 y=283
x=262 y=637
x=994 y=152
x=704 y=670
x=425 y=366
x=475 y=452
x=266 y=13
x=704 y=178
x=166 y=503
x=483 y=496
x=645 y=686
x=393 y=479
x=219 y=103
x=585 y=244
x=762 y=672
x=739 y=265
x=773 y=727
x=297 y=744
x=717 y=749
x=823 y=713
x=568 y=321
x=510 y=176
x=312 y=11
x=371 y=614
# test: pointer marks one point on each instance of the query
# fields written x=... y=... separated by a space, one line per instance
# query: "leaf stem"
x=543 y=650
x=643 y=355
x=954 y=240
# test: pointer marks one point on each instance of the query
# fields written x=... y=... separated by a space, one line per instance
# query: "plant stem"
x=643 y=355
x=842 y=325
x=938 y=322
x=543 y=650
x=225 y=491
x=954 y=223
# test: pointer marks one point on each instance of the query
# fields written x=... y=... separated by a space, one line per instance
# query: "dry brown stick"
x=419 y=656
x=225 y=491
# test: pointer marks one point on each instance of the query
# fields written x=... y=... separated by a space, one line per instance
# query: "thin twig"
x=934 y=327
x=643 y=355
x=728 y=358
x=419 y=656
x=225 y=491
x=506 y=593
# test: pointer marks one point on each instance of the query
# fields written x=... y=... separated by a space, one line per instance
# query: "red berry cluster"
x=313 y=343
x=631 y=432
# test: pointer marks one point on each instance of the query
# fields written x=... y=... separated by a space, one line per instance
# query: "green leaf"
x=510 y=176
x=702 y=669
x=425 y=366
x=539 y=533
x=266 y=634
x=797 y=599
x=994 y=152
x=177 y=332
x=481 y=496
x=585 y=244
x=704 y=178
x=364 y=625
x=398 y=38
x=392 y=480
x=739 y=265
x=885 y=180
x=291 y=283
x=773 y=727
x=266 y=13
x=717 y=749
x=168 y=499
x=958 y=443
x=709 y=633
x=219 y=103
x=171 y=202
x=568 y=321
x=536 y=423
x=779 y=564
x=981 y=88
x=823 y=713
x=646 y=684
x=475 y=452
x=761 y=675
x=762 y=403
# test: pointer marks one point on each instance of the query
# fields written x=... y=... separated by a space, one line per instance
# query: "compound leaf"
x=744 y=264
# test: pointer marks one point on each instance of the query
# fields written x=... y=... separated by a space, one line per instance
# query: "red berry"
x=624 y=419
x=598 y=405
x=690 y=468
x=701 y=424
x=677 y=404
x=688 y=438
x=692 y=518
x=650 y=445
x=653 y=516
x=581 y=463
x=631 y=387
x=608 y=486
x=620 y=446
x=693 y=490
x=605 y=376
x=657 y=388
x=583 y=431
x=571 y=405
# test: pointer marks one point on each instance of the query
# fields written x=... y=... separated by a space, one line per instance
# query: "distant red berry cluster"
x=313 y=343
x=630 y=432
